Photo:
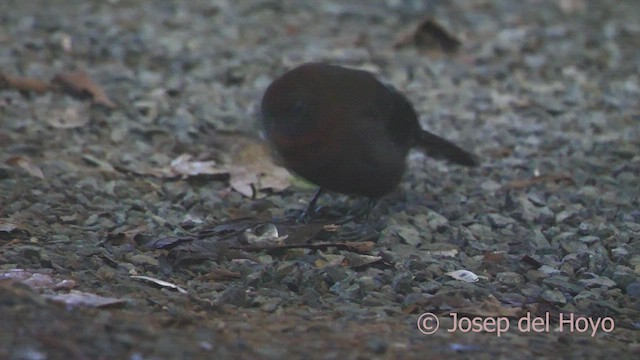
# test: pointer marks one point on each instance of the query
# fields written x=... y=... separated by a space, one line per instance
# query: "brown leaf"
x=222 y=274
x=258 y=176
x=358 y=246
x=354 y=260
x=6 y=226
x=25 y=163
x=526 y=183
x=68 y=118
x=429 y=35
x=492 y=307
x=23 y=84
x=495 y=257
x=250 y=170
x=80 y=83
x=184 y=165
x=253 y=170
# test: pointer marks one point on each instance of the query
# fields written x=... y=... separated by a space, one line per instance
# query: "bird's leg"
x=364 y=214
x=372 y=203
x=361 y=213
x=310 y=210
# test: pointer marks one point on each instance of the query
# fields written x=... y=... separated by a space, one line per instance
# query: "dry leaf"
x=23 y=83
x=495 y=256
x=68 y=118
x=125 y=235
x=7 y=226
x=183 y=165
x=160 y=283
x=101 y=164
x=65 y=285
x=262 y=235
x=538 y=179
x=222 y=274
x=353 y=260
x=463 y=275
x=444 y=253
x=253 y=170
x=34 y=280
x=247 y=180
x=244 y=180
x=80 y=298
x=359 y=246
x=491 y=307
x=80 y=83
x=428 y=35
x=527 y=259
x=25 y=163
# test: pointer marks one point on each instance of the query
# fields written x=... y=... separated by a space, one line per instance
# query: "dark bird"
x=345 y=131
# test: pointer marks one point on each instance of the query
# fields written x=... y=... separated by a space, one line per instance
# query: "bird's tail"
x=440 y=148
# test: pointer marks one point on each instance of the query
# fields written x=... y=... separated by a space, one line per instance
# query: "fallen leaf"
x=80 y=298
x=495 y=256
x=253 y=170
x=538 y=179
x=358 y=247
x=428 y=35
x=183 y=165
x=125 y=235
x=463 y=275
x=37 y=280
x=7 y=226
x=263 y=234
x=491 y=307
x=101 y=164
x=354 y=260
x=25 y=163
x=65 y=285
x=444 y=253
x=80 y=83
x=222 y=274
x=34 y=280
x=69 y=117
x=23 y=84
x=250 y=171
x=527 y=259
x=160 y=283
x=168 y=242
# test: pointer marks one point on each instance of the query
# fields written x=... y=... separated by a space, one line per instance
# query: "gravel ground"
x=130 y=155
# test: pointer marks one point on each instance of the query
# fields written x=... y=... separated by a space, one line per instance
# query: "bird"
x=345 y=131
